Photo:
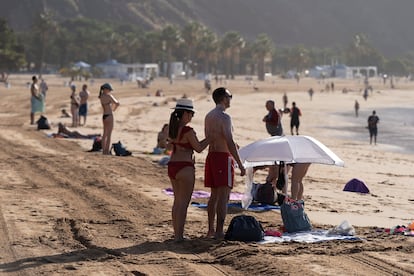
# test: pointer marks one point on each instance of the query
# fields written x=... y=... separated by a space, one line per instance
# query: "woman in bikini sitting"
x=181 y=168
x=109 y=104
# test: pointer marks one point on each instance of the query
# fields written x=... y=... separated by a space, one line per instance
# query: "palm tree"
x=207 y=49
x=151 y=46
x=191 y=36
x=298 y=58
x=43 y=28
x=171 y=36
x=262 y=48
x=231 y=45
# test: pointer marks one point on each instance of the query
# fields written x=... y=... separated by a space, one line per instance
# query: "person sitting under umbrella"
x=299 y=171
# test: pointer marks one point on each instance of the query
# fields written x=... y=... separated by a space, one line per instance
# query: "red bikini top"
x=184 y=145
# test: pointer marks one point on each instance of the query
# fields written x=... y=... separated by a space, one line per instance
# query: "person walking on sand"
x=181 y=170
x=83 y=107
x=109 y=105
x=310 y=92
x=373 y=120
x=219 y=166
x=356 y=106
x=285 y=100
x=74 y=106
x=36 y=100
x=295 y=113
x=273 y=120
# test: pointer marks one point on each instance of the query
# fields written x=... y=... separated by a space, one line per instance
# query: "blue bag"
x=294 y=216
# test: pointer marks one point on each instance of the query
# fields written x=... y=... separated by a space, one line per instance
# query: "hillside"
x=319 y=23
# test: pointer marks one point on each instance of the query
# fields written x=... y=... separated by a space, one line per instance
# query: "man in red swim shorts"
x=219 y=167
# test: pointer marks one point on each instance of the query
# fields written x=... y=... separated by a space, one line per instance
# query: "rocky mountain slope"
x=319 y=23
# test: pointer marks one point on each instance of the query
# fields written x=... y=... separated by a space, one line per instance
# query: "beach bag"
x=120 y=149
x=244 y=228
x=264 y=193
x=97 y=144
x=43 y=123
x=280 y=183
x=294 y=216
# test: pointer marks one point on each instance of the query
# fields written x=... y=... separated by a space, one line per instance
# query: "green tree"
x=231 y=45
x=262 y=49
x=191 y=37
x=207 y=49
x=11 y=52
x=44 y=27
x=396 y=67
x=171 y=38
x=153 y=48
x=298 y=58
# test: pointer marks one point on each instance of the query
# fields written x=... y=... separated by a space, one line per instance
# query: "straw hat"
x=185 y=104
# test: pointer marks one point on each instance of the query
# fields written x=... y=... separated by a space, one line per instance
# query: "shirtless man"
x=219 y=167
x=83 y=107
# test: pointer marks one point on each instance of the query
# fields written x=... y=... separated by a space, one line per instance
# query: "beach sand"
x=64 y=210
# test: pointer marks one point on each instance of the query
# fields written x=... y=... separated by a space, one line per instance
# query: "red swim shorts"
x=219 y=170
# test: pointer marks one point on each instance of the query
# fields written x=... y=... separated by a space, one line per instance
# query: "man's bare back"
x=218 y=128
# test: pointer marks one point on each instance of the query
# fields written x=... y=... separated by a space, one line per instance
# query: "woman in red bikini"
x=181 y=168
x=109 y=104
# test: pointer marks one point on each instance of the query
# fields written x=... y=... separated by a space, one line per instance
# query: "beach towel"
x=204 y=194
x=308 y=237
x=356 y=185
x=238 y=205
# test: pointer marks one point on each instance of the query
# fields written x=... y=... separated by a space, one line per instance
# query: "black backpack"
x=97 y=144
x=264 y=193
x=244 y=228
x=43 y=123
x=120 y=149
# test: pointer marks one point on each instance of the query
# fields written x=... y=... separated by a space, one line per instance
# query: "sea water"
x=395 y=127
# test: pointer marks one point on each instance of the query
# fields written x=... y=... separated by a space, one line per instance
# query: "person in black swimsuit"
x=109 y=104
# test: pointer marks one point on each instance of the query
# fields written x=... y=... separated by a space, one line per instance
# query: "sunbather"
x=63 y=131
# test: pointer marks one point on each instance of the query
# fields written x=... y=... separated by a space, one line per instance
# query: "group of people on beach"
x=221 y=159
x=79 y=104
x=79 y=108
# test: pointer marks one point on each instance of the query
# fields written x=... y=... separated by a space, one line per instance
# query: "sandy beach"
x=67 y=211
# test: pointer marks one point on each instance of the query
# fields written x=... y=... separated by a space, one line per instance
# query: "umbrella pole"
x=285 y=170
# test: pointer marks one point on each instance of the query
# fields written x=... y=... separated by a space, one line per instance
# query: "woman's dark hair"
x=174 y=124
x=100 y=92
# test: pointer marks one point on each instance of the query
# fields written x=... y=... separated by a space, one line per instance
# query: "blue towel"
x=253 y=207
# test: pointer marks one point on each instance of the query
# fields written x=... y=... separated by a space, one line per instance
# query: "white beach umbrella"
x=290 y=149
